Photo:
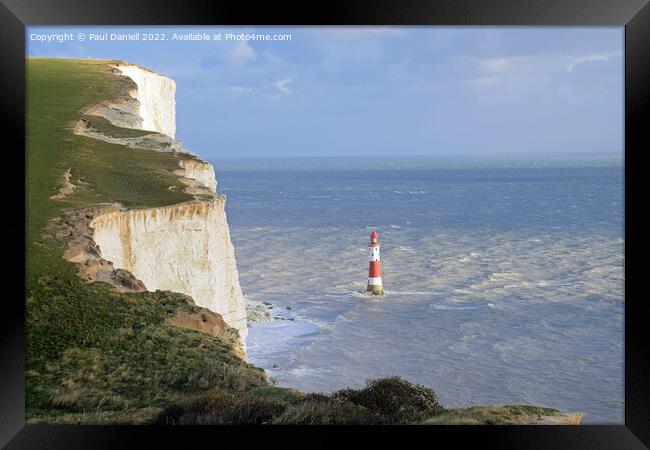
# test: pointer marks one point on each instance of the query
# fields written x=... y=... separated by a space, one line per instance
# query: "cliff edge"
x=116 y=328
x=184 y=247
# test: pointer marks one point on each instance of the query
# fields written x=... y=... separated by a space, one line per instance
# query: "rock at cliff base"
x=126 y=280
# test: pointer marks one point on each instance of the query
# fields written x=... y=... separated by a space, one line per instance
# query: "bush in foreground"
x=220 y=408
x=394 y=400
x=328 y=411
x=383 y=401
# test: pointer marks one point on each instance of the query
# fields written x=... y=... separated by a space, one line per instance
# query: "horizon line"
x=620 y=154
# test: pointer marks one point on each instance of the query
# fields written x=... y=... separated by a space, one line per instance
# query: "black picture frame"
x=634 y=15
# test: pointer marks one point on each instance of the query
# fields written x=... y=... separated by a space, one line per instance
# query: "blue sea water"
x=503 y=277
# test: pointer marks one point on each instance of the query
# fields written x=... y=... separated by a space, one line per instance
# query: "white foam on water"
x=463 y=305
x=268 y=341
x=391 y=292
x=461 y=308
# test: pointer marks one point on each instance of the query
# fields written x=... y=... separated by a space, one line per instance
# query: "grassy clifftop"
x=95 y=355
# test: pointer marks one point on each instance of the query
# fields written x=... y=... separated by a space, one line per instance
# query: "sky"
x=380 y=91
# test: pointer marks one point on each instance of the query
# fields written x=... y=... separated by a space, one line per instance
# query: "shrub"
x=170 y=416
x=220 y=408
x=382 y=401
x=327 y=411
x=394 y=399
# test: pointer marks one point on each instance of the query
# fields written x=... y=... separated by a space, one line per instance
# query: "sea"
x=503 y=276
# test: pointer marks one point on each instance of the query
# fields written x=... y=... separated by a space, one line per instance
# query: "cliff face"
x=182 y=248
x=157 y=97
x=199 y=171
x=185 y=247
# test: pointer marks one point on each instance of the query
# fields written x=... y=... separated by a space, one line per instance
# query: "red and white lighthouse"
x=374 y=273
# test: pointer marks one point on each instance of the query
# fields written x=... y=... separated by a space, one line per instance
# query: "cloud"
x=520 y=77
x=282 y=86
x=511 y=77
x=593 y=57
x=241 y=53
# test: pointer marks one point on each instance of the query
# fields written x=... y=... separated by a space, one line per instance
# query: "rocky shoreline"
x=262 y=312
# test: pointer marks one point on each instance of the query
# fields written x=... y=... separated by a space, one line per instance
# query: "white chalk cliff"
x=199 y=171
x=185 y=247
x=157 y=97
x=182 y=248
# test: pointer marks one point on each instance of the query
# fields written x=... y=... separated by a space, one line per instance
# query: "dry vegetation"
x=383 y=401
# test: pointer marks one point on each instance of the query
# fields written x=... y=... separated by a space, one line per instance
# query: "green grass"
x=275 y=393
x=56 y=92
x=103 y=126
x=93 y=355
x=489 y=415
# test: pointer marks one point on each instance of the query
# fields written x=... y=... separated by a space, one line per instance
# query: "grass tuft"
x=326 y=411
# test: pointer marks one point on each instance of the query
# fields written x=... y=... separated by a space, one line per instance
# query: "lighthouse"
x=374 y=273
